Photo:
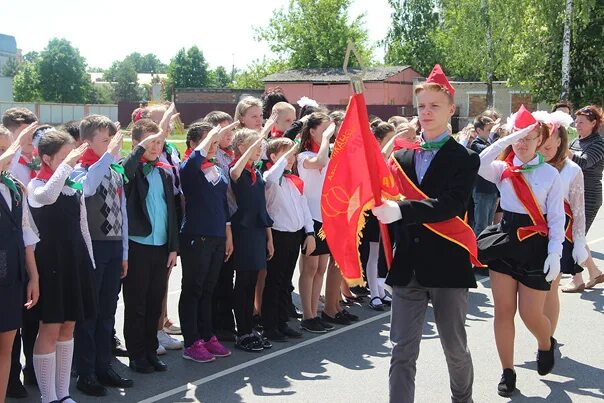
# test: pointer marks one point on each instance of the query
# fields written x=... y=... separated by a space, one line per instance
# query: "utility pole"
x=564 y=94
x=484 y=9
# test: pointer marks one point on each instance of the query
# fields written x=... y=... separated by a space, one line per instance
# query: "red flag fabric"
x=356 y=180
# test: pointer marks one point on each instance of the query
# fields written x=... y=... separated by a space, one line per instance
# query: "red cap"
x=523 y=118
x=437 y=76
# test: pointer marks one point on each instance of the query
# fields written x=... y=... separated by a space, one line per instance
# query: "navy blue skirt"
x=249 y=246
x=12 y=298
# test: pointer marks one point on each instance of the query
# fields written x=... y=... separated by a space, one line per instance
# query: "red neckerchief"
x=248 y=167
x=44 y=173
x=89 y=158
x=294 y=179
x=24 y=162
x=276 y=133
x=208 y=163
x=157 y=163
x=228 y=152
x=313 y=146
x=188 y=153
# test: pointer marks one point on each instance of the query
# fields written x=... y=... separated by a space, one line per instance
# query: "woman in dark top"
x=588 y=152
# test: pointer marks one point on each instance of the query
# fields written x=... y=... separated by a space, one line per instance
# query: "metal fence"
x=55 y=114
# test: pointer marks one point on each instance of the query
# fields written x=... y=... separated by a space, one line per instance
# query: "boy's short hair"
x=277 y=145
x=52 y=141
x=281 y=107
x=197 y=131
x=217 y=117
x=481 y=121
x=15 y=117
x=563 y=104
x=91 y=123
x=4 y=131
x=142 y=127
x=382 y=129
x=244 y=136
x=433 y=87
x=73 y=128
x=337 y=116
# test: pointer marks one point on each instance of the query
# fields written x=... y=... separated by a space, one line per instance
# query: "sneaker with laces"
x=198 y=352
x=312 y=326
x=161 y=350
x=507 y=384
x=217 y=349
x=169 y=342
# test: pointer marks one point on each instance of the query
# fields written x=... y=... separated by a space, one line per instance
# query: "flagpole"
x=356 y=80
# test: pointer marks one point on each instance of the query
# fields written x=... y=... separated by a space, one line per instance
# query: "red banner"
x=357 y=178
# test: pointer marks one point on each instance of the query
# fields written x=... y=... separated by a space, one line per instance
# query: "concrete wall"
x=6 y=89
x=56 y=114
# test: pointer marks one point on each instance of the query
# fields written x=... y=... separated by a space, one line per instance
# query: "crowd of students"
x=81 y=222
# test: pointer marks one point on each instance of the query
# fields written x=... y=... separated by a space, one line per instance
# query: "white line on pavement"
x=595 y=241
x=228 y=371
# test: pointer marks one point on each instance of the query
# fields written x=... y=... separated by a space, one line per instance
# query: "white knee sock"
x=45 y=368
x=63 y=374
x=372 y=271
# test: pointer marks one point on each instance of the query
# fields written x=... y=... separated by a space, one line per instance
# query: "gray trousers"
x=409 y=306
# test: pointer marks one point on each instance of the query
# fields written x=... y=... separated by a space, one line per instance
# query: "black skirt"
x=567 y=263
x=371 y=232
x=249 y=248
x=12 y=298
x=500 y=248
x=322 y=247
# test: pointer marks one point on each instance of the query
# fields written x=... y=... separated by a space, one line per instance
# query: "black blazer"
x=136 y=193
x=435 y=261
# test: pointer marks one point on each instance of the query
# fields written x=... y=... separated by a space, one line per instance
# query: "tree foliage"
x=412 y=35
x=251 y=77
x=125 y=83
x=219 y=78
x=62 y=72
x=10 y=68
x=26 y=83
x=315 y=33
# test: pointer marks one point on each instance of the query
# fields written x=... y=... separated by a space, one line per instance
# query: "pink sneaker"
x=198 y=352
x=214 y=347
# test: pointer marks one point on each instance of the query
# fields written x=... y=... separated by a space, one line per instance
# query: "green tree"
x=251 y=77
x=150 y=63
x=188 y=69
x=412 y=35
x=125 y=84
x=315 y=33
x=26 y=83
x=10 y=68
x=219 y=78
x=62 y=72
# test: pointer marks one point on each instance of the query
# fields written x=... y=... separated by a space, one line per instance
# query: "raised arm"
x=322 y=157
x=242 y=162
x=11 y=152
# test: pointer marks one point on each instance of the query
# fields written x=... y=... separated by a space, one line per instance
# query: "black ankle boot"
x=507 y=384
x=545 y=359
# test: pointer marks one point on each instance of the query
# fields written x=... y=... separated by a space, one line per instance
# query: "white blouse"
x=284 y=203
x=29 y=236
x=313 y=184
x=572 y=183
x=544 y=181
x=43 y=193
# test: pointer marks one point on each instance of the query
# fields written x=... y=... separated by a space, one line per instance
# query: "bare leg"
x=505 y=290
x=591 y=266
x=308 y=269
x=332 y=289
x=530 y=306
x=6 y=348
x=259 y=292
x=552 y=305
x=317 y=283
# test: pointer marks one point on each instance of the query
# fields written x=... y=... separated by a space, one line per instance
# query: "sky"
x=108 y=30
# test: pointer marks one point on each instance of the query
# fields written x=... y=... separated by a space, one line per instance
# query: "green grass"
x=178 y=140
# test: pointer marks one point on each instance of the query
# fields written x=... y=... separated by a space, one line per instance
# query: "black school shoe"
x=157 y=364
x=507 y=384
x=338 y=319
x=114 y=380
x=249 y=343
x=275 y=335
x=326 y=325
x=312 y=326
x=142 y=366
x=89 y=385
x=118 y=348
x=16 y=390
x=349 y=316
x=545 y=359
x=289 y=332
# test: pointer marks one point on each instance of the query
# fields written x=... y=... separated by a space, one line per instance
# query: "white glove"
x=388 y=212
x=551 y=267
x=580 y=253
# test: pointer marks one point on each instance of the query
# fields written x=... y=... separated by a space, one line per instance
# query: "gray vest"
x=104 y=209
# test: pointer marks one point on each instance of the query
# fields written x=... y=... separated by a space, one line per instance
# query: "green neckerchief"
x=434 y=145
x=7 y=180
x=118 y=169
x=260 y=165
x=148 y=166
x=74 y=185
x=34 y=164
x=530 y=168
x=170 y=148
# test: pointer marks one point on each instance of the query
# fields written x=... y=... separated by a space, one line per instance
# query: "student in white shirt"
x=293 y=228
x=523 y=252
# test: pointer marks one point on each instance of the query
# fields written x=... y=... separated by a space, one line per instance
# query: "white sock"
x=45 y=368
x=63 y=374
x=372 y=271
